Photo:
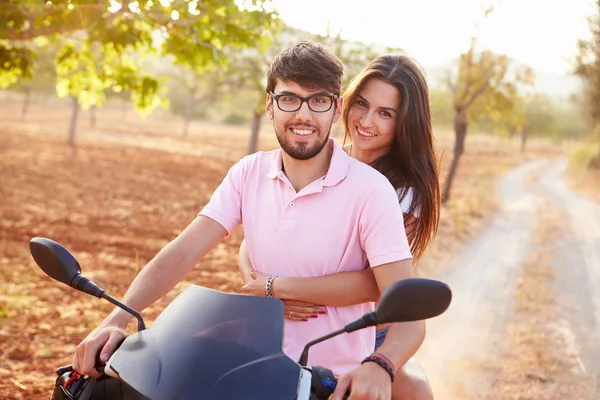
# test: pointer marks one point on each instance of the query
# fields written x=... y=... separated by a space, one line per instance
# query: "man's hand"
x=104 y=340
x=367 y=382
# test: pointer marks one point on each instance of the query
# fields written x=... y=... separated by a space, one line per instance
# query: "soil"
x=524 y=319
x=132 y=186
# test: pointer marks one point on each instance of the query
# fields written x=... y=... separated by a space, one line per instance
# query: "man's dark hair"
x=309 y=64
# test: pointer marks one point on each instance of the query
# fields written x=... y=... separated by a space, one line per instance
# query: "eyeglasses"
x=317 y=103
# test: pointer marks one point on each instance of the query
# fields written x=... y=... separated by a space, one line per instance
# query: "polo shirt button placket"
x=292 y=205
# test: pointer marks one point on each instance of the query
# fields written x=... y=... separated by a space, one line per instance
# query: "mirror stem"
x=304 y=357
x=137 y=315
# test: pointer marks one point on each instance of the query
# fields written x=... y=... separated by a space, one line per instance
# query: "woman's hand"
x=258 y=285
x=301 y=311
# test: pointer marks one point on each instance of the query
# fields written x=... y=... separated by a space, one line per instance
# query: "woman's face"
x=372 y=119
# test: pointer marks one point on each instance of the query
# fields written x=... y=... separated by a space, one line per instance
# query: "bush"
x=236 y=118
x=586 y=156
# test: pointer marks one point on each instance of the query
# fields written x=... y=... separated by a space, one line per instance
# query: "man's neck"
x=301 y=173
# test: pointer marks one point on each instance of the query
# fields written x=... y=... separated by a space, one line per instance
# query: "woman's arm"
x=336 y=290
x=244 y=263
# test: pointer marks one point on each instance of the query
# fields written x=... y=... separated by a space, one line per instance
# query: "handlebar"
x=323 y=384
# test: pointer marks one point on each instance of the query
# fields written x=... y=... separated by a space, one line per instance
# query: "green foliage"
x=354 y=56
x=537 y=115
x=236 y=118
x=588 y=68
x=485 y=87
x=191 y=91
x=586 y=156
x=102 y=46
x=15 y=63
x=42 y=77
x=442 y=112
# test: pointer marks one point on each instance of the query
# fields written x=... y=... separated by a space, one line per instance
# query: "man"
x=306 y=208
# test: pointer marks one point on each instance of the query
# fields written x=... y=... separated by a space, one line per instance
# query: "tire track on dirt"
x=482 y=277
x=463 y=350
x=577 y=267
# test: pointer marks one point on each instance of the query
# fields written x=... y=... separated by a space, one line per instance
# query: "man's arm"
x=244 y=263
x=155 y=280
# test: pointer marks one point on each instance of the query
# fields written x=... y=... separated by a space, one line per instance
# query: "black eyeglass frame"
x=303 y=100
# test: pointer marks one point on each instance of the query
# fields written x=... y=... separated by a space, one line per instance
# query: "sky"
x=540 y=33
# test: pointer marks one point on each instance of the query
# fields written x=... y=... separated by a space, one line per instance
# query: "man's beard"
x=301 y=150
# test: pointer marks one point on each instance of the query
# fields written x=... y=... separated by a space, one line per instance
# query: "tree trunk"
x=93 y=116
x=73 y=127
x=523 y=140
x=25 y=106
x=596 y=164
x=124 y=109
x=461 y=123
x=255 y=130
x=189 y=114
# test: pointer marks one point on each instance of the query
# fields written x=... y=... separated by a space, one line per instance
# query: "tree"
x=588 y=68
x=483 y=84
x=42 y=79
x=251 y=68
x=201 y=89
x=102 y=45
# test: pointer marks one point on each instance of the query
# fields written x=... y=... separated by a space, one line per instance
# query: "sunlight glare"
x=134 y=7
x=193 y=8
x=539 y=33
x=114 y=6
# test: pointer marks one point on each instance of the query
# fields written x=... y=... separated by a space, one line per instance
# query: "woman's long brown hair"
x=411 y=161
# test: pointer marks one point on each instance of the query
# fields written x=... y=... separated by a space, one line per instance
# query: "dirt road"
x=526 y=289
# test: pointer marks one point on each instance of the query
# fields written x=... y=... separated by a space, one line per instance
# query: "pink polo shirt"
x=335 y=224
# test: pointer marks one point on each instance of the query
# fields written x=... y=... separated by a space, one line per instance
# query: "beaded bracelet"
x=269 y=285
x=382 y=364
x=386 y=359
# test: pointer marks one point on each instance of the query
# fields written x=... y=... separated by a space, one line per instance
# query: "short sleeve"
x=382 y=232
x=225 y=205
x=406 y=202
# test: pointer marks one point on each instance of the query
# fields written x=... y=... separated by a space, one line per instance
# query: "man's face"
x=302 y=134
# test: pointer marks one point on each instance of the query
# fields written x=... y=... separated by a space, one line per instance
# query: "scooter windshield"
x=210 y=345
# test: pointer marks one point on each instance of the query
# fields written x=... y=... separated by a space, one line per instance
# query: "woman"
x=387 y=116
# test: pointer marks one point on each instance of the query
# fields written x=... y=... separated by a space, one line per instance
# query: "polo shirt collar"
x=338 y=167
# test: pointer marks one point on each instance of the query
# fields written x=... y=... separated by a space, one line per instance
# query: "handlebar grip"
x=64 y=369
x=99 y=364
x=323 y=383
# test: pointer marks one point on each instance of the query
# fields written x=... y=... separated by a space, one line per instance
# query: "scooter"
x=208 y=344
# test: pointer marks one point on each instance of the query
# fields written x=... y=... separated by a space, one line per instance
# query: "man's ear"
x=337 y=113
x=269 y=108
